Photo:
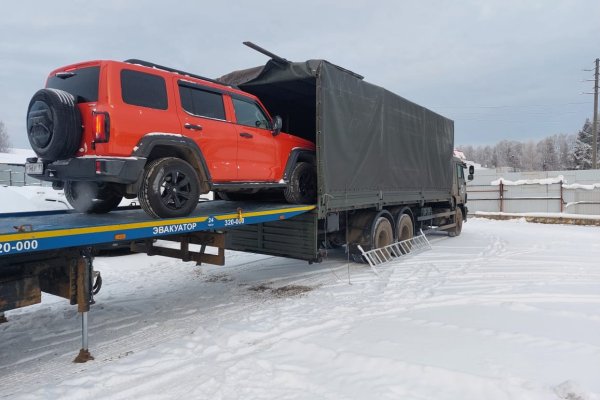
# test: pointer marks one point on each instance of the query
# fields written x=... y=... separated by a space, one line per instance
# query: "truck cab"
x=459 y=186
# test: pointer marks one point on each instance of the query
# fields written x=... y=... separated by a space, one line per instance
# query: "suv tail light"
x=101 y=126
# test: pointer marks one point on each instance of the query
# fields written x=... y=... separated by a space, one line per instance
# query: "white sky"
x=502 y=69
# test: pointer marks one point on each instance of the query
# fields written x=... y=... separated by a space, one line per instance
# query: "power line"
x=513 y=106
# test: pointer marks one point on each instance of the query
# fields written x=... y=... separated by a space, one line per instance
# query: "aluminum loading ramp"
x=22 y=233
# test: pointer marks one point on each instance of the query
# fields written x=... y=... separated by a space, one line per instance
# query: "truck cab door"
x=461 y=182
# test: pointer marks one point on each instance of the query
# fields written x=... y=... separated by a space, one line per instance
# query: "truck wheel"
x=302 y=188
x=405 y=228
x=383 y=233
x=405 y=231
x=91 y=197
x=169 y=189
x=53 y=124
x=459 y=222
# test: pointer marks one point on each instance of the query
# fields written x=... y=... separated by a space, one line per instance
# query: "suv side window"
x=201 y=103
x=249 y=113
x=142 y=89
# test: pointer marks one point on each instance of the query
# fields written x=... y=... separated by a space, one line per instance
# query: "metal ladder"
x=391 y=252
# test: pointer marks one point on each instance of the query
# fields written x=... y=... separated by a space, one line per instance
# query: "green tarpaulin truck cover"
x=373 y=146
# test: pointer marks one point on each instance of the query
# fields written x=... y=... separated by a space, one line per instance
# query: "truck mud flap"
x=293 y=238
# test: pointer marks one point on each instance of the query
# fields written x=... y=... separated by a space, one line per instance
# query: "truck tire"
x=404 y=227
x=53 y=124
x=91 y=197
x=170 y=188
x=302 y=187
x=370 y=230
x=383 y=233
x=405 y=231
x=455 y=231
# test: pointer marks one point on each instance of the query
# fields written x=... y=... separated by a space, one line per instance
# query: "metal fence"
x=573 y=192
x=14 y=175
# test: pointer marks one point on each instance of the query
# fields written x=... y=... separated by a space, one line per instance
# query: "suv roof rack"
x=152 y=65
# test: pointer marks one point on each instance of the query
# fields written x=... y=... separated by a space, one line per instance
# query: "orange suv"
x=105 y=130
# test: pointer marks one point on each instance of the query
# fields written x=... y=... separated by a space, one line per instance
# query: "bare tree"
x=531 y=157
x=4 y=139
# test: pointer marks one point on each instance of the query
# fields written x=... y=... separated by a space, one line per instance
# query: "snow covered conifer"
x=582 y=153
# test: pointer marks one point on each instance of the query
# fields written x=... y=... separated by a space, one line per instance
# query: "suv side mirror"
x=277 y=123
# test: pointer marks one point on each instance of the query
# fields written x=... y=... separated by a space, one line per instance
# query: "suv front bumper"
x=100 y=169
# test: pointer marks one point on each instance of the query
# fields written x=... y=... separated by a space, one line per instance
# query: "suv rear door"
x=203 y=118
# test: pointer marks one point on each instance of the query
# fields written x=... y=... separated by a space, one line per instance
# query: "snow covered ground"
x=508 y=310
x=31 y=198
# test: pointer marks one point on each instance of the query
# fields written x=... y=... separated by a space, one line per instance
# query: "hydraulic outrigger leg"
x=84 y=299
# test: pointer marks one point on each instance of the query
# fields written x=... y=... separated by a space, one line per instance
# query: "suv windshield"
x=81 y=83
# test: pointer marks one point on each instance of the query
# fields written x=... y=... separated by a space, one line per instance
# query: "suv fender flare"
x=149 y=142
x=295 y=156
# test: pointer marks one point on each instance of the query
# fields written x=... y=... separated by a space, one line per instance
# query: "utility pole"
x=595 y=124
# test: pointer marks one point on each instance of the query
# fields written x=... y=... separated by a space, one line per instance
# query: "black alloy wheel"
x=302 y=187
x=170 y=188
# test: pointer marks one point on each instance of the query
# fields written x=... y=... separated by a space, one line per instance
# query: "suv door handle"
x=192 y=127
x=246 y=135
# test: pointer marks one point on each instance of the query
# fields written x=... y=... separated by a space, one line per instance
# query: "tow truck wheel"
x=302 y=188
x=92 y=197
x=170 y=188
x=459 y=222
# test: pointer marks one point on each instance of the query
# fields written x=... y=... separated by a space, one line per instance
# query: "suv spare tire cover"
x=53 y=124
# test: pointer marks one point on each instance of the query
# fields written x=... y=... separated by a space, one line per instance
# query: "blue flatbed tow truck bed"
x=22 y=233
x=53 y=251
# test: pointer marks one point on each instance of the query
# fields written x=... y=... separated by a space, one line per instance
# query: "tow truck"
x=385 y=171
